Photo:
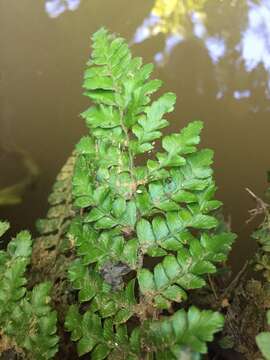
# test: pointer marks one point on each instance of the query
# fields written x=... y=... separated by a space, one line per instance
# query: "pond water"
x=214 y=54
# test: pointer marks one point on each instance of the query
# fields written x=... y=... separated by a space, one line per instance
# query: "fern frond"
x=146 y=234
x=167 y=338
x=52 y=250
x=192 y=329
x=27 y=323
x=12 y=278
x=56 y=222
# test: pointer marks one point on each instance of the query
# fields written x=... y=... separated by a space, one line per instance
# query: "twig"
x=261 y=208
x=212 y=286
x=235 y=281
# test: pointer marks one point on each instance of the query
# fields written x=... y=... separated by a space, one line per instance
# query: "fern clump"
x=27 y=322
x=146 y=234
x=262 y=236
x=262 y=264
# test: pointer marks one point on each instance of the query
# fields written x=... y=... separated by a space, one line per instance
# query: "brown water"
x=219 y=69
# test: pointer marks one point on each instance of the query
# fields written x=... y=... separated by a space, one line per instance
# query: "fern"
x=262 y=263
x=56 y=222
x=262 y=236
x=129 y=214
x=52 y=251
x=167 y=337
x=27 y=323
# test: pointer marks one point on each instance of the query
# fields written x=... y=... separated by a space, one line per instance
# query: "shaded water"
x=214 y=54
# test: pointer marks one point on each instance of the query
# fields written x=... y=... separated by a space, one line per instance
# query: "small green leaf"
x=156 y=252
x=21 y=246
x=119 y=207
x=108 y=332
x=102 y=116
x=86 y=293
x=40 y=298
x=129 y=217
x=160 y=277
x=94 y=215
x=203 y=222
x=85 y=345
x=145 y=234
x=162 y=303
x=160 y=228
x=130 y=253
x=175 y=293
x=101 y=96
x=203 y=325
x=122 y=316
x=135 y=338
x=105 y=223
x=184 y=142
x=184 y=196
x=86 y=145
x=73 y=322
x=100 y=352
x=146 y=281
x=263 y=342
x=108 y=309
x=102 y=82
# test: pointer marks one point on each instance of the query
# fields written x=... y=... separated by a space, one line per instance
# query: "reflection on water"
x=255 y=44
x=171 y=18
x=241 y=94
x=179 y=21
x=54 y=8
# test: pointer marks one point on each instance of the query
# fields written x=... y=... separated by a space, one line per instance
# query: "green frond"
x=145 y=234
x=51 y=250
x=12 y=278
x=27 y=323
x=169 y=336
x=57 y=219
